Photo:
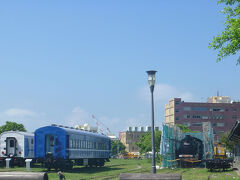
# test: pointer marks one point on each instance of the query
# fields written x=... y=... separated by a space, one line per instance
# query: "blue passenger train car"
x=58 y=146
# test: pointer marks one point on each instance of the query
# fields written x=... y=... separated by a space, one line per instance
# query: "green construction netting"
x=170 y=141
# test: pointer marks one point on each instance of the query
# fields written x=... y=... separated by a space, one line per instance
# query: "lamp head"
x=151 y=78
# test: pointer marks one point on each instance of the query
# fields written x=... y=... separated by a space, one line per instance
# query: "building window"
x=217 y=117
x=220 y=124
x=187 y=124
x=204 y=117
x=186 y=116
x=177 y=110
x=219 y=132
x=196 y=124
x=187 y=108
x=217 y=109
x=177 y=102
x=200 y=108
x=196 y=116
x=234 y=116
x=214 y=124
x=177 y=118
x=234 y=110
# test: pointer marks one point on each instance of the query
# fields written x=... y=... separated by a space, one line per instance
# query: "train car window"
x=67 y=141
x=32 y=141
x=11 y=143
x=73 y=146
x=84 y=144
x=70 y=143
x=77 y=144
x=51 y=141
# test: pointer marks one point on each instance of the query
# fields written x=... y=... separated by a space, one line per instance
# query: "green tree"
x=224 y=139
x=228 y=42
x=145 y=142
x=117 y=147
x=184 y=128
x=12 y=126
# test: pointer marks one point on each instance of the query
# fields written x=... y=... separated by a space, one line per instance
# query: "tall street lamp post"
x=151 y=81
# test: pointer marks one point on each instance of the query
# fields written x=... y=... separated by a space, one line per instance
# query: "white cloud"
x=16 y=112
x=113 y=124
x=164 y=92
x=105 y=124
x=78 y=116
x=30 y=119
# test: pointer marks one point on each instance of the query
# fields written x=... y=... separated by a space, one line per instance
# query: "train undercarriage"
x=213 y=164
x=66 y=164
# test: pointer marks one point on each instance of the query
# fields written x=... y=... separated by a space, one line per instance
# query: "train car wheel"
x=101 y=163
x=69 y=165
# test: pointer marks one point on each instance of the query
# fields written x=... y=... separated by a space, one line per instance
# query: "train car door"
x=11 y=146
x=49 y=144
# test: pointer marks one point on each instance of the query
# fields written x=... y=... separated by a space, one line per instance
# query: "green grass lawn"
x=113 y=169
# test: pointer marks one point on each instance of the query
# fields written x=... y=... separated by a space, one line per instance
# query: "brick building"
x=219 y=110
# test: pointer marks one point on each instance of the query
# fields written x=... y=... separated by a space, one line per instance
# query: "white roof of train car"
x=18 y=132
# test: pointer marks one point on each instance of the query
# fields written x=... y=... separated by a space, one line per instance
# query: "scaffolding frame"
x=172 y=136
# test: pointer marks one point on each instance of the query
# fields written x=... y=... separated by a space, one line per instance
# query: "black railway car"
x=190 y=151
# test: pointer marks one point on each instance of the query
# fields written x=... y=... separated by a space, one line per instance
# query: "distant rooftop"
x=219 y=99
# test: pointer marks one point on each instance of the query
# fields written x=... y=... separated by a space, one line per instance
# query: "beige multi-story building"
x=169 y=112
x=132 y=136
x=219 y=99
x=129 y=139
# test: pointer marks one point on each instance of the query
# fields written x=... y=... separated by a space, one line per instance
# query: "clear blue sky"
x=63 y=61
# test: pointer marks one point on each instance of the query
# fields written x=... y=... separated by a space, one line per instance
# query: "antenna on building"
x=217 y=93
